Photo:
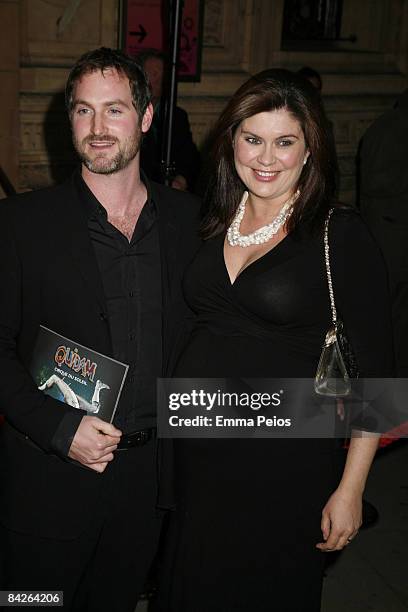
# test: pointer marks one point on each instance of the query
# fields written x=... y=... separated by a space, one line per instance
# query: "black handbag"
x=337 y=363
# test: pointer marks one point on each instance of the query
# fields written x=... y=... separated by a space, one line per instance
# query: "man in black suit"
x=99 y=260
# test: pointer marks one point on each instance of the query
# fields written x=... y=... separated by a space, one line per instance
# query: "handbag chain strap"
x=328 y=271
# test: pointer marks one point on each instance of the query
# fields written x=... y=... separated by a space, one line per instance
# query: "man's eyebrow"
x=79 y=101
x=116 y=102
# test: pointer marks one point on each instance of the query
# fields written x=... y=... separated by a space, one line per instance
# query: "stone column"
x=9 y=88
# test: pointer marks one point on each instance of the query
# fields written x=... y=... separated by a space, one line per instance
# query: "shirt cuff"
x=62 y=440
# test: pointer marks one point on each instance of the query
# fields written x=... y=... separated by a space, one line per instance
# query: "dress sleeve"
x=361 y=293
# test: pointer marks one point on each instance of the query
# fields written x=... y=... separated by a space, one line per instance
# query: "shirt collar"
x=91 y=205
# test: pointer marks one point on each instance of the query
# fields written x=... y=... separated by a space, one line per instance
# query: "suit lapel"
x=169 y=235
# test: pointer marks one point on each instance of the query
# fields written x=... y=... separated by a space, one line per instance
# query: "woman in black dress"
x=255 y=516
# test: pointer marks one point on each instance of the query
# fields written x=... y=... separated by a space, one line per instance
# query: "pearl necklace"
x=263 y=234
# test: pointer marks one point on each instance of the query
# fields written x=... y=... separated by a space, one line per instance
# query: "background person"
x=184 y=152
x=383 y=200
x=312 y=76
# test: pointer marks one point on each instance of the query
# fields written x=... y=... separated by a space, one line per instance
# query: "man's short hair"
x=103 y=59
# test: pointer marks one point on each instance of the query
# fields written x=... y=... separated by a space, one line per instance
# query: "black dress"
x=248 y=510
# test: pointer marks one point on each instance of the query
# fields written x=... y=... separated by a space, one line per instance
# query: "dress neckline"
x=253 y=263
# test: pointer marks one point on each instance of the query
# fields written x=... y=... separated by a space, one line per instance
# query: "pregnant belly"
x=215 y=355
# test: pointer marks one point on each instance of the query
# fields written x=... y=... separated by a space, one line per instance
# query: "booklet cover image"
x=77 y=375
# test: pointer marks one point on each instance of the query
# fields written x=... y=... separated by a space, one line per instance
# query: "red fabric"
x=398 y=432
x=391 y=436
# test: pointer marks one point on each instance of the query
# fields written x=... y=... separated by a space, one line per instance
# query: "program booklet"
x=76 y=375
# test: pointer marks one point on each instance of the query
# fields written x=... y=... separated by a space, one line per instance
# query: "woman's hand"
x=341 y=519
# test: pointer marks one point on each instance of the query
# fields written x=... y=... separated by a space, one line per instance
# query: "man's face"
x=106 y=128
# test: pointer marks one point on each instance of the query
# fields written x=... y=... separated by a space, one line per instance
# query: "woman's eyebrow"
x=280 y=135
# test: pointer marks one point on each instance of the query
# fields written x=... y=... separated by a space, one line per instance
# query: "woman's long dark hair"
x=267 y=91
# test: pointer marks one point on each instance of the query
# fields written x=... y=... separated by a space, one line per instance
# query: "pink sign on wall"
x=145 y=26
x=190 y=40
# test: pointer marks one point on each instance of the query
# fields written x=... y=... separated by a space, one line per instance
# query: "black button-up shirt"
x=131 y=278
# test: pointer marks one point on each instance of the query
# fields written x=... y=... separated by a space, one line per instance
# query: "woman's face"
x=269 y=154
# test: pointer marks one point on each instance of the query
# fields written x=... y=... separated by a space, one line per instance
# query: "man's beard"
x=101 y=163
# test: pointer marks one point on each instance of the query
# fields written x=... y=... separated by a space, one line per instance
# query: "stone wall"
x=42 y=38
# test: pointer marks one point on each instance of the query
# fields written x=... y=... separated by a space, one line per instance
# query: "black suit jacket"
x=49 y=276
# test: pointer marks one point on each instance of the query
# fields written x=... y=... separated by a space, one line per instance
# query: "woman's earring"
x=305 y=160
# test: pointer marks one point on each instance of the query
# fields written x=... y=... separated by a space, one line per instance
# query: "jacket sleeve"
x=27 y=409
